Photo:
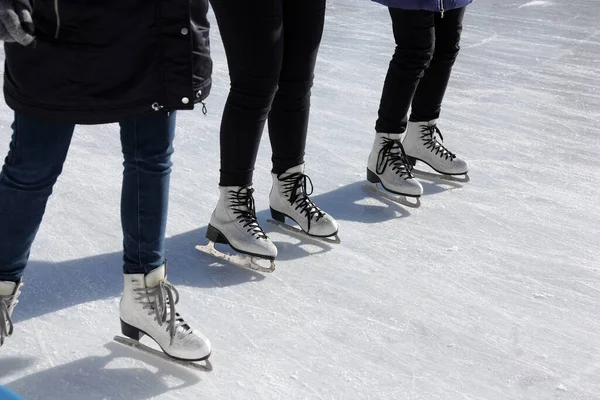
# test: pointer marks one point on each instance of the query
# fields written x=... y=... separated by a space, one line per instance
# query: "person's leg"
x=423 y=140
x=415 y=40
x=288 y=121
x=428 y=98
x=147 y=143
x=252 y=34
x=35 y=159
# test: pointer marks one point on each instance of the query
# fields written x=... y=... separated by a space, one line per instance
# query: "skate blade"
x=335 y=239
x=403 y=200
x=464 y=178
x=134 y=344
x=243 y=261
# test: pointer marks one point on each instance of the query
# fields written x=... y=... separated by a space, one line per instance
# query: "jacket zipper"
x=57 y=19
x=441 y=7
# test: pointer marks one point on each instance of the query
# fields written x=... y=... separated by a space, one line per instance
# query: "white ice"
x=490 y=290
x=538 y=3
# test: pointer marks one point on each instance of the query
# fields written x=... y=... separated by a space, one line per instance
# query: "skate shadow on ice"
x=49 y=287
x=347 y=203
x=10 y=365
x=295 y=246
x=434 y=183
x=353 y=203
x=99 y=378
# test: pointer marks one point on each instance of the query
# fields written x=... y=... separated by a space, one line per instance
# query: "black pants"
x=426 y=47
x=271 y=48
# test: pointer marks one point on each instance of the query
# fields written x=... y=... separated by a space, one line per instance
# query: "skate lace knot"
x=392 y=155
x=429 y=135
x=242 y=202
x=160 y=301
x=295 y=189
x=6 y=324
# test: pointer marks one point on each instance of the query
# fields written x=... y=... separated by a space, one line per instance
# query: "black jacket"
x=105 y=60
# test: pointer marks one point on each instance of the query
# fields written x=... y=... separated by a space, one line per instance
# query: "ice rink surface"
x=490 y=290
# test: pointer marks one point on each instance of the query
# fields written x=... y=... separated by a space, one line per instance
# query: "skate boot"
x=9 y=293
x=389 y=166
x=148 y=308
x=289 y=198
x=234 y=223
x=423 y=142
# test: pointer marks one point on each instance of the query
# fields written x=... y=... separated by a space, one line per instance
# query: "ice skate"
x=234 y=223
x=289 y=198
x=9 y=293
x=423 y=142
x=148 y=308
x=388 y=166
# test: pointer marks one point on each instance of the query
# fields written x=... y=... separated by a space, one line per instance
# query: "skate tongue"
x=433 y=122
x=156 y=276
x=391 y=136
x=298 y=169
x=7 y=288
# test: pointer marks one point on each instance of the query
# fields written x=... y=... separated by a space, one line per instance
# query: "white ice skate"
x=148 y=308
x=9 y=293
x=423 y=142
x=234 y=223
x=289 y=198
x=389 y=167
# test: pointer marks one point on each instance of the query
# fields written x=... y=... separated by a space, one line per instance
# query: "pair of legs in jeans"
x=37 y=152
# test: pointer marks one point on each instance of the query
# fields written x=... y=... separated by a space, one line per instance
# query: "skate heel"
x=278 y=216
x=372 y=177
x=215 y=236
x=130 y=331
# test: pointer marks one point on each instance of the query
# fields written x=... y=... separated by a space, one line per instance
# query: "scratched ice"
x=490 y=290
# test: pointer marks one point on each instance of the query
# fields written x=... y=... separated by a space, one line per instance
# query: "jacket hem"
x=79 y=116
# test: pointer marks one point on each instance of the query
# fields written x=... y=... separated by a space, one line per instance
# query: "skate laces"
x=392 y=154
x=242 y=202
x=161 y=302
x=295 y=189
x=6 y=324
x=428 y=135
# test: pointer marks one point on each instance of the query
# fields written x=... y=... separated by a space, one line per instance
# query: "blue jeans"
x=37 y=152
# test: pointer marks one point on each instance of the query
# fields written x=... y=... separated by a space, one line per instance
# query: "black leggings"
x=426 y=47
x=271 y=48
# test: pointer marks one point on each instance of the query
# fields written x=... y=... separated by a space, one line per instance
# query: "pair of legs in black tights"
x=271 y=48
x=427 y=45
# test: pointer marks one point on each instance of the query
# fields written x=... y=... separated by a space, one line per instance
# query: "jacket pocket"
x=47 y=19
x=57 y=15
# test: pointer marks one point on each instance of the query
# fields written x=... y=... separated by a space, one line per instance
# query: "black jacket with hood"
x=100 y=61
